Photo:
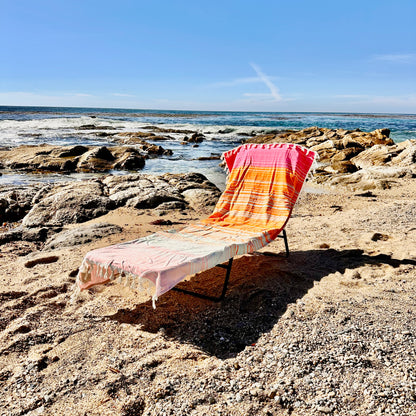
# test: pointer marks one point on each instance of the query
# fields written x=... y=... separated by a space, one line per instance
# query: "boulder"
x=69 y=203
x=130 y=162
x=378 y=155
x=98 y=159
x=81 y=235
x=328 y=144
x=73 y=151
x=201 y=200
x=145 y=191
x=65 y=159
x=346 y=154
x=406 y=154
x=343 y=166
x=150 y=150
x=127 y=158
x=16 y=201
x=376 y=177
x=195 y=138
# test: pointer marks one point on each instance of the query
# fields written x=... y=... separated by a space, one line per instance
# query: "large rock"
x=371 y=178
x=16 y=201
x=201 y=200
x=346 y=156
x=150 y=191
x=55 y=206
x=98 y=159
x=406 y=154
x=66 y=159
x=69 y=203
x=150 y=150
x=81 y=235
x=378 y=155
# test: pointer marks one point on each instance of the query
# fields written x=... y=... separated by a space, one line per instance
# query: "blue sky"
x=298 y=55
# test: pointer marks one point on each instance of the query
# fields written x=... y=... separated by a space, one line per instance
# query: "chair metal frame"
x=227 y=267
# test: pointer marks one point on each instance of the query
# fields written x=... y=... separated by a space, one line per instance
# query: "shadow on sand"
x=261 y=288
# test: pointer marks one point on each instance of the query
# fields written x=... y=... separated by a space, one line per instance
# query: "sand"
x=329 y=330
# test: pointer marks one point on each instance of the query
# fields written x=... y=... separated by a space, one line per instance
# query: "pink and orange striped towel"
x=263 y=185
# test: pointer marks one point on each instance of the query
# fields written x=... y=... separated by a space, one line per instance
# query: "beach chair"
x=263 y=185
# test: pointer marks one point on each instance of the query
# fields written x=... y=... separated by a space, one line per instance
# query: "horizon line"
x=206 y=111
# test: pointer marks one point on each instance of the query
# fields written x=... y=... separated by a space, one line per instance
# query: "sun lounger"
x=263 y=185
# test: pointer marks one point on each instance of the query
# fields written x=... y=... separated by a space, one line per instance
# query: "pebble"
x=324 y=409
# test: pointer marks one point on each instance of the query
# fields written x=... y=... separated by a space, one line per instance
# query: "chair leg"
x=284 y=236
x=207 y=297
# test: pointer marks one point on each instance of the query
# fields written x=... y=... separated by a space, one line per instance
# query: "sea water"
x=222 y=131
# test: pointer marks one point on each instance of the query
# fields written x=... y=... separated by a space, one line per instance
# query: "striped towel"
x=263 y=185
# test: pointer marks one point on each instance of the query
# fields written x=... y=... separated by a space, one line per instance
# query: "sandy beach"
x=132 y=122
x=330 y=330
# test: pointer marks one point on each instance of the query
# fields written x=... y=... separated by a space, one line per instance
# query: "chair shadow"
x=260 y=289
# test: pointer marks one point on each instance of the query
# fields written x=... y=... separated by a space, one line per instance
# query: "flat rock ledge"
x=45 y=210
x=67 y=159
x=360 y=160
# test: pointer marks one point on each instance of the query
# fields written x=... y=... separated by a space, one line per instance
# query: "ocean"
x=222 y=131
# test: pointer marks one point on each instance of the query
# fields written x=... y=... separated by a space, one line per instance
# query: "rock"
x=12 y=235
x=346 y=154
x=348 y=142
x=72 y=151
x=352 y=274
x=38 y=234
x=128 y=158
x=152 y=198
x=81 y=235
x=406 y=154
x=130 y=162
x=377 y=155
x=47 y=158
x=202 y=200
x=344 y=166
x=41 y=260
x=151 y=150
x=96 y=160
x=141 y=191
x=137 y=135
x=68 y=204
x=367 y=139
x=16 y=201
x=379 y=236
x=191 y=180
x=167 y=191
x=173 y=205
x=328 y=144
x=371 y=178
x=195 y=138
x=324 y=409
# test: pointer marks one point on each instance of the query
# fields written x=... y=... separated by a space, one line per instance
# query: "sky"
x=228 y=55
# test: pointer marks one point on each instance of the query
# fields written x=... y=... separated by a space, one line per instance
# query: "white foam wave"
x=70 y=130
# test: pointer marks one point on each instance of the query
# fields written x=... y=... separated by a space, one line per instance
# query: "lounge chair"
x=263 y=185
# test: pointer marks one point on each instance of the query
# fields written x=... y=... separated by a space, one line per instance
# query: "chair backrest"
x=263 y=185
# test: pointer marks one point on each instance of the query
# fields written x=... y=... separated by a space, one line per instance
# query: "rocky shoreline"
x=358 y=160
x=330 y=330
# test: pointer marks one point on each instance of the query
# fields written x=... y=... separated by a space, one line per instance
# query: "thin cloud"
x=274 y=91
x=258 y=95
x=237 y=81
x=401 y=58
x=351 y=96
x=119 y=94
